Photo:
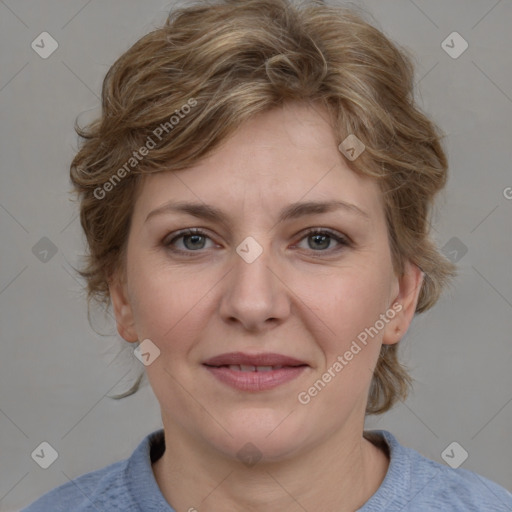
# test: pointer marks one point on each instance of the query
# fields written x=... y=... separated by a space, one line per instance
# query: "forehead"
x=278 y=157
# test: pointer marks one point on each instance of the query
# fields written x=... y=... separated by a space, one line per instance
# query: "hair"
x=230 y=60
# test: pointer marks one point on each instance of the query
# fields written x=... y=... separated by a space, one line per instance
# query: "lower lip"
x=255 y=381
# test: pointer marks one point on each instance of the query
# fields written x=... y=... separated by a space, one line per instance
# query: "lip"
x=288 y=369
x=266 y=359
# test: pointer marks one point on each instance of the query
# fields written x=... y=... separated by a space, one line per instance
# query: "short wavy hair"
x=231 y=60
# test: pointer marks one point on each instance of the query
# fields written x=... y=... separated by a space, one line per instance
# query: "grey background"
x=56 y=372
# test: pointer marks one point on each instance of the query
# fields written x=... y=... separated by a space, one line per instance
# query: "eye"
x=321 y=239
x=193 y=239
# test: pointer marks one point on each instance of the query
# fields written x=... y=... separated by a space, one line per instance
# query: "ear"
x=122 y=308
x=404 y=304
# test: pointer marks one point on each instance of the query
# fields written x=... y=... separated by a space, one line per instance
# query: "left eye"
x=321 y=239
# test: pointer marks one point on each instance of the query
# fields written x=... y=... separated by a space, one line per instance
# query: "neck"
x=340 y=474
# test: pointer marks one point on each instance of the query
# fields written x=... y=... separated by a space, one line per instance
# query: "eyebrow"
x=290 y=212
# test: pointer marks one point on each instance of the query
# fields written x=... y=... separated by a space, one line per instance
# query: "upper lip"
x=266 y=359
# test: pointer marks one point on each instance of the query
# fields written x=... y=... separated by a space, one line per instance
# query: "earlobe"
x=122 y=310
x=405 y=302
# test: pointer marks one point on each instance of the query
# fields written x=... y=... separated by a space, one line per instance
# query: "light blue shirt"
x=413 y=483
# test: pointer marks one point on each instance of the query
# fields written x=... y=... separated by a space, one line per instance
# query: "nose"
x=255 y=295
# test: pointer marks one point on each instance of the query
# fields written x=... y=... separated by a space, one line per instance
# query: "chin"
x=261 y=434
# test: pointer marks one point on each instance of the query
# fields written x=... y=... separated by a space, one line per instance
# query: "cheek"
x=351 y=347
x=163 y=299
x=349 y=305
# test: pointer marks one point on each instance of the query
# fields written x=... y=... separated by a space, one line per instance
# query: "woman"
x=256 y=199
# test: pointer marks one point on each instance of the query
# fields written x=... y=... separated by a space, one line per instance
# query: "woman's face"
x=254 y=282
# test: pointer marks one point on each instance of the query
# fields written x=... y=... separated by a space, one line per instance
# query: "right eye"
x=191 y=240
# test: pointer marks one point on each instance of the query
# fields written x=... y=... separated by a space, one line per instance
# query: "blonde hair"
x=235 y=59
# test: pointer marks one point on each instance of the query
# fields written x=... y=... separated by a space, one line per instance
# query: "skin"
x=304 y=297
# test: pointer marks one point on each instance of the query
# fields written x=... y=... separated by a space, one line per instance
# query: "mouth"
x=251 y=368
x=254 y=372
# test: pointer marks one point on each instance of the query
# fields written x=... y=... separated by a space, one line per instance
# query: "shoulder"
x=114 y=487
x=455 y=489
x=415 y=483
x=84 y=493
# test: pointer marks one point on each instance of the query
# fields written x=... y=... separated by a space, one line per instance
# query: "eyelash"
x=342 y=240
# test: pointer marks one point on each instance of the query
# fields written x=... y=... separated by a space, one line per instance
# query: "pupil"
x=318 y=239
x=196 y=237
x=325 y=237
